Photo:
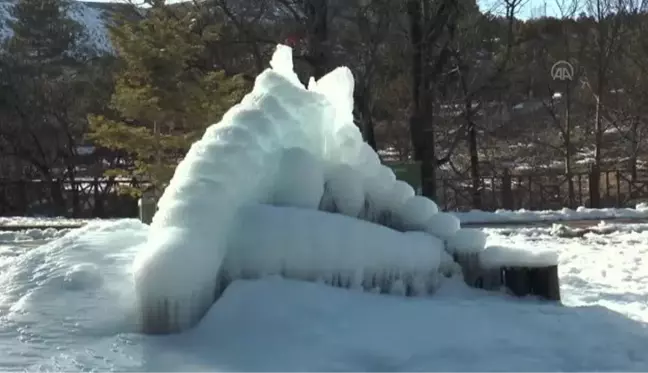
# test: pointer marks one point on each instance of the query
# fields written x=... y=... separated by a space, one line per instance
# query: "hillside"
x=93 y=16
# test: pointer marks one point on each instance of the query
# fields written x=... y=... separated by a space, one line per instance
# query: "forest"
x=460 y=92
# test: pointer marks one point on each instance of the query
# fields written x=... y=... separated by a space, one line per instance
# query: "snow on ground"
x=30 y=221
x=68 y=305
x=475 y=217
x=528 y=216
x=609 y=270
x=32 y=235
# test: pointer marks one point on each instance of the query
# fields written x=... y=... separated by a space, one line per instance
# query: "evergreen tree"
x=43 y=33
x=39 y=102
x=163 y=98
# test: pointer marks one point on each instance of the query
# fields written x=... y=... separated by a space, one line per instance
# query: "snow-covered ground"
x=566 y=214
x=31 y=235
x=68 y=305
x=37 y=222
x=475 y=217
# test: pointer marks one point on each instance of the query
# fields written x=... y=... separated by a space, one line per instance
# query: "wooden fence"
x=594 y=189
x=81 y=198
x=100 y=198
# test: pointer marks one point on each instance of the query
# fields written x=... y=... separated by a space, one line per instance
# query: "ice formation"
x=497 y=256
x=243 y=201
x=311 y=245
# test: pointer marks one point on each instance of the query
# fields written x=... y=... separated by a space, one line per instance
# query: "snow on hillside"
x=90 y=17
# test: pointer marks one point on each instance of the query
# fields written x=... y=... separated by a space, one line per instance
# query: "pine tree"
x=43 y=33
x=37 y=103
x=163 y=98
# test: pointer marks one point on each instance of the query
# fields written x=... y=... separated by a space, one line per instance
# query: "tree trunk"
x=363 y=115
x=414 y=13
x=422 y=121
x=598 y=125
x=474 y=167
x=568 y=147
x=634 y=138
x=317 y=17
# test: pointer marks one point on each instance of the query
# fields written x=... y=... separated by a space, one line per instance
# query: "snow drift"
x=296 y=148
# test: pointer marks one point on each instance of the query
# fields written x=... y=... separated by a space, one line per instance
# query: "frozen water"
x=443 y=225
x=498 y=256
x=344 y=192
x=308 y=244
x=286 y=145
x=467 y=240
x=416 y=211
x=300 y=180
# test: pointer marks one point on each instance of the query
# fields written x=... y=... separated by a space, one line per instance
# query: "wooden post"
x=470 y=267
x=539 y=281
x=594 y=187
x=147 y=206
x=475 y=275
x=507 y=194
x=516 y=279
x=619 y=198
x=544 y=282
x=23 y=204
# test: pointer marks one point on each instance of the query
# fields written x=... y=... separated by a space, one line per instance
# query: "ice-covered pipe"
x=316 y=246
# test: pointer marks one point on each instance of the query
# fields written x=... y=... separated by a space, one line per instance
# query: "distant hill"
x=93 y=16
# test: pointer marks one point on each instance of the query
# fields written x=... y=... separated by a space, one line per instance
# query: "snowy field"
x=68 y=305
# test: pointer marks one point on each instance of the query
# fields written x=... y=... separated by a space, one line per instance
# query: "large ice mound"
x=297 y=149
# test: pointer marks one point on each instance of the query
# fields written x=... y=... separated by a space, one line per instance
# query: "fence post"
x=98 y=209
x=147 y=206
x=23 y=200
x=619 y=198
x=507 y=194
x=595 y=187
x=74 y=186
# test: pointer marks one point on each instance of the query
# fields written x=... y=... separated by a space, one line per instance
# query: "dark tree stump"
x=517 y=280
x=545 y=283
x=538 y=281
x=476 y=275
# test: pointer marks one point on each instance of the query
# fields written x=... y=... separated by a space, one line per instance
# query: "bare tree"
x=432 y=28
x=479 y=69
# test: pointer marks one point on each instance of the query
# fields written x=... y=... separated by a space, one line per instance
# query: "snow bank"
x=282 y=325
x=565 y=214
